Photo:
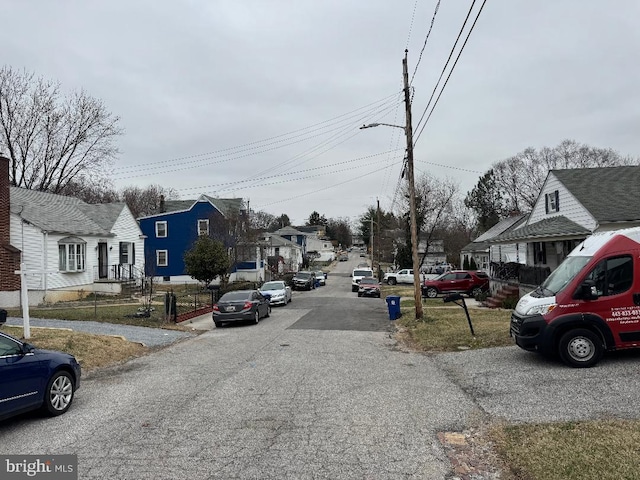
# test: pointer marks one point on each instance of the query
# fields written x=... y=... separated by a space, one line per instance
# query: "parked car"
x=369 y=287
x=32 y=379
x=320 y=276
x=357 y=275
x=461 y=281
x=278 y=292
x=241 y=305
x=344 y=257
x=304 y=281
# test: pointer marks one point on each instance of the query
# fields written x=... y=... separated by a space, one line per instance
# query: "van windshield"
x=562 y=275
x=362 y=273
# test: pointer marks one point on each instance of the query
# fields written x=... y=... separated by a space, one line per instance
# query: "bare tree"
x=52 y=139
x=146 y=201
x=520 y=178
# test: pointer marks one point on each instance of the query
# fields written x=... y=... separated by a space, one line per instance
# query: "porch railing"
x=117 y=273
x=516 y=272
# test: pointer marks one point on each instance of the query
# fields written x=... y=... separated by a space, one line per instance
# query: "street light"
x=408 y=131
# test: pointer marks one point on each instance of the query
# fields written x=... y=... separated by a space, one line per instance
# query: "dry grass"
x=91 y=351
x=120 y=314
x=602 y=450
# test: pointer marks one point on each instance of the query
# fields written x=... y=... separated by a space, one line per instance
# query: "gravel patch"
x=150 y=337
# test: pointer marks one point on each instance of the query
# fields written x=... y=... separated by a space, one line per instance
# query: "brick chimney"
x=9 y=255
x=4 y=200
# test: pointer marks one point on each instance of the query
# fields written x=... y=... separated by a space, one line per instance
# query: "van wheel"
x=580 y=348
x=392 y=281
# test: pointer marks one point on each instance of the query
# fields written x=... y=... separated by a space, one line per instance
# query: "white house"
x=72 y=247
x=284 y=255
x=573 y=204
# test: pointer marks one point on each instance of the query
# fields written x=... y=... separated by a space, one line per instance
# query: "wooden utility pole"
x=417 y=294
x=378 y=249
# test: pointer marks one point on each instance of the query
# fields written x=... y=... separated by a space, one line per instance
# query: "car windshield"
x=272 y=286
x=362 y=273
x=303 y=275
x=235 y=296
x=562 y=275
x=319 y=274
x=368 y=281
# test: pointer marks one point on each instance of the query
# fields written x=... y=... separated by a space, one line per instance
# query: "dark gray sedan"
x=241 y=306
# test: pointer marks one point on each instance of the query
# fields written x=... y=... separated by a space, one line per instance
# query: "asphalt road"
x=317 y=391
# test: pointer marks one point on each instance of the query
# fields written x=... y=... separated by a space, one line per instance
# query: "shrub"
x=510 y=303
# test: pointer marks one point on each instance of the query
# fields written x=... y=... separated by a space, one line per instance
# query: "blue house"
x=173 y=230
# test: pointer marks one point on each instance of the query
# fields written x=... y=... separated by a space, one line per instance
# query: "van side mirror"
x=587 y=290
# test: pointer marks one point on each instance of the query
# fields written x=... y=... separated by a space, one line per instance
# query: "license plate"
x=231 y=309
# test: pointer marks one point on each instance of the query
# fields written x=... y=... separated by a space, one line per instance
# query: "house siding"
x=570 y=207
x=182 y=232
x=127 y=230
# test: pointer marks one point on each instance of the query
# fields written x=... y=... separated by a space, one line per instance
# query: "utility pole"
x=378 y=249
x=371 y=240
x=417 y=295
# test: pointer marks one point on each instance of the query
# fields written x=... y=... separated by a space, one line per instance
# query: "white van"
x=357 y=275
x=588 y=305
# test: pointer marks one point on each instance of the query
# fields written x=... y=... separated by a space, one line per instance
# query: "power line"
x=229 y=156
x=238 y=182
x=451 y=71
x=433 y=19
x=413 y=16
x=445 y=66
x=288 y=199
x=269 y=139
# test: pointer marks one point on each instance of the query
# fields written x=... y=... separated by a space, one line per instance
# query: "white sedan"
x=278 y=291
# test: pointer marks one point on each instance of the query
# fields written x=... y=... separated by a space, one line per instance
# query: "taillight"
x=247 y=305
x=216 y=308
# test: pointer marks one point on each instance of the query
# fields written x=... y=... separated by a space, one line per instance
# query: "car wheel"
x=256 y=319
x=580 y=348
x=392 y=281
x=359 y=294
x=475 y=292
x=217 y=324
x=59 y=394
x=354 y=289
x=378 y=295
x=432 y=292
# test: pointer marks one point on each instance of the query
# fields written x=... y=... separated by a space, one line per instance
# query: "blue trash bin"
x=393 y=303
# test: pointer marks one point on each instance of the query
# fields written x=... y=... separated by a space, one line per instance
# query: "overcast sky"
x=262 y=99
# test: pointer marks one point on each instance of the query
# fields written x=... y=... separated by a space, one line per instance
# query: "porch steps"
x=507 y=291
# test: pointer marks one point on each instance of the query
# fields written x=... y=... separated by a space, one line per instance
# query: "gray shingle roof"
x=501 y=227
x=227 y=206
x=59 y=214
x=557 y=226
x=611 y=194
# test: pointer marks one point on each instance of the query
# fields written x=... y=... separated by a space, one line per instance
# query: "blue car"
x=32 y=379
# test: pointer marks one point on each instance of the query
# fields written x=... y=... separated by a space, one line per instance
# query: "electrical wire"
x=433 y=19
x=271 y=140
x=450 y=72
x=446 y=64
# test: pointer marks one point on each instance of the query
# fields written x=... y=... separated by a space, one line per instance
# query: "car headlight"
x=541 y=309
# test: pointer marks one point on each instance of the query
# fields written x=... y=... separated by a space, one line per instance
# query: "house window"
x=71 y=255
x=161 y=229
x=127 y=253
x=203 y=227
x=552 y=203
x=539 y=253
x=162 y=258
